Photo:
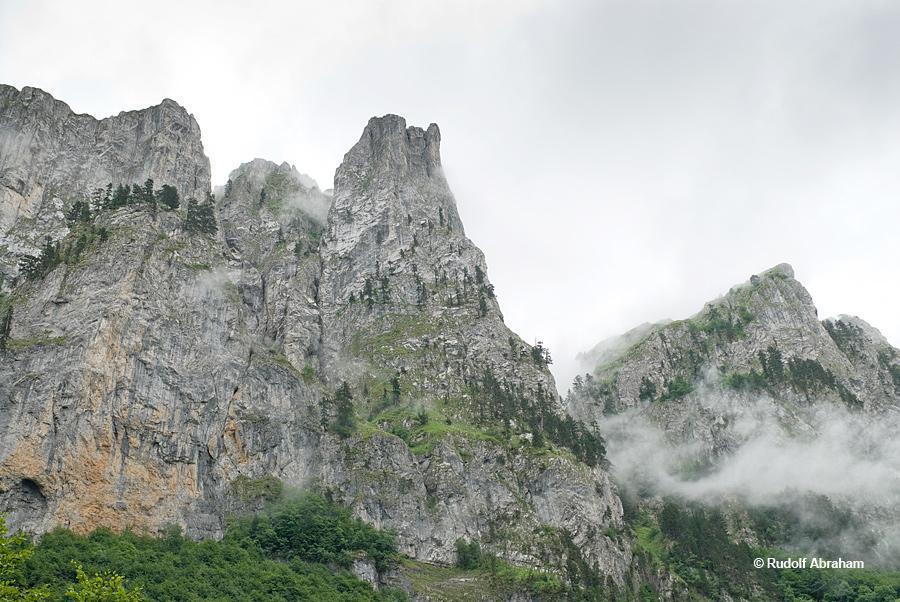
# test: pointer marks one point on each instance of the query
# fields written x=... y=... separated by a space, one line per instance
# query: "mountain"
x=50 y=156
x=160 y=369
x=763 y=336
x=170 y=357
x=756 y=407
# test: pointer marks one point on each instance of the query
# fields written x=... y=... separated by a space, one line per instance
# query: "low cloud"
x=776 y=456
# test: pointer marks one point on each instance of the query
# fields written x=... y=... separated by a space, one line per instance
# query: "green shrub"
x=468 y=555
x=101 y=587
x=314 y=529
x=299 y=550
x=308 y=374
x=676 y=389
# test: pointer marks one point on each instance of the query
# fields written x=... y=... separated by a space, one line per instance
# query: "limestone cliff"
x=758 y=408
x=165 y=374
x=763 y=336
x=50 y=156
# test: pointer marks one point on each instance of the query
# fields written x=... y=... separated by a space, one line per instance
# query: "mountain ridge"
x=771 y=310
x=178 y=369
x=365 y=356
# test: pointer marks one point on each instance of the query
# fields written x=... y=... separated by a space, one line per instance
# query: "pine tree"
x=395 y=389
x=120 y=197
x=367 y=293
x=80 y=211
x=97 y=200
x=5 y=321
x=168 y=197
x=147 y=193
x=345 y=420
x=200 y=217
x=208 y=216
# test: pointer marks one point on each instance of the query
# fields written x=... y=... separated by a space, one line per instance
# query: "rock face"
x=756 y=407
x=154 y=371
x=409 y=315
x=396 y=261
x=50 y=155
x=167 y=375
x=763 y=336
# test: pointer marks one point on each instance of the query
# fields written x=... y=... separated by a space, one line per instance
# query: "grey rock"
x=165 y=374
x=50 y=155
x=760 y=327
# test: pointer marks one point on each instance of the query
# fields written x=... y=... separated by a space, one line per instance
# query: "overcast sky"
x=618 y=162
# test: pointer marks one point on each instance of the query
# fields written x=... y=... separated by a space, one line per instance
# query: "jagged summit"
x=165 y=370
x=773 y=290
x=784 y=269
x=265 y=204
x=393 y=210
x=35 y=97
x=388 y=144
x=259 y=167
x=863 y=327
x=765 y=286
x=49 y=156
x=735 y=338
x=171 y=104
x=45 y=144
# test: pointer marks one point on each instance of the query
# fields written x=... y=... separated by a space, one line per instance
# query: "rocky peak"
x=259 y=169
x=864 y=332
x=762 y=337
x=392 y=160
x=785 y=269
x=45 y=144
x=395 y=260
x=771 y=305
x=170 y=371
x=394 y=217
x=280 y=188
x=265 y=205
x=388 y=145
x=50 y=157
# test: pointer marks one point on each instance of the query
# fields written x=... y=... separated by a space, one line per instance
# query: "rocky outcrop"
x=754 y=407
x=170 y=374
x=140 y=383
x=401 y=283
x=50 y=156
x=410 y=321
x=159 y=367
x=765 y=335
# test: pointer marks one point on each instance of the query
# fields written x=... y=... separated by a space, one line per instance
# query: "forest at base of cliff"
x=308 y=547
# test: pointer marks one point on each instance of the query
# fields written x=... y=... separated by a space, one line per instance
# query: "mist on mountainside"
x=830 y=474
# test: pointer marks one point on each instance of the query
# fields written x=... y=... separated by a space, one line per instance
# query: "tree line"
x=504 y=403
x=299 y=549
x=84 y=232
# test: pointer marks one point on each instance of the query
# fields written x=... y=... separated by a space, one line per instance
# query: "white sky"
x=618 y=162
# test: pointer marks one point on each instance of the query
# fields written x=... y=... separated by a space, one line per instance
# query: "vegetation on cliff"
x=84 y=233
x=692 y=541
x=301 y=549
